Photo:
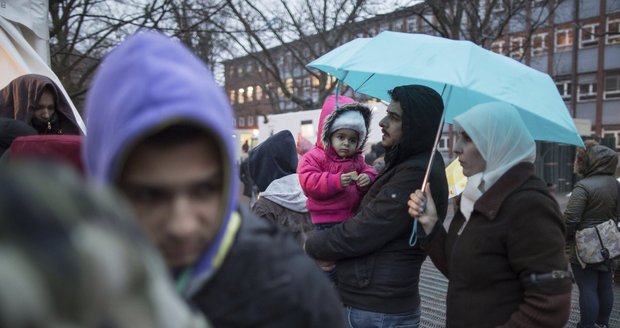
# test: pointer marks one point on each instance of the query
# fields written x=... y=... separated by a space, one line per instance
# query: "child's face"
x=344 y=142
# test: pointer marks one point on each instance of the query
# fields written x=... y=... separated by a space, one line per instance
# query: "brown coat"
x=515 y=230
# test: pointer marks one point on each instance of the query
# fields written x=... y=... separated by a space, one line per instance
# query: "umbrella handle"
x=413 y=239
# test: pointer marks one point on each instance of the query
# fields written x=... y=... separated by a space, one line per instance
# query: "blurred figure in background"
x=72 y=256
x=273 y=164
x=159 y=129
x=36 y=100
x=594 y=200
x=65 y=149
x=11 y=129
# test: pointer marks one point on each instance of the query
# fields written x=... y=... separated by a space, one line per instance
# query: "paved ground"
x=433 y=286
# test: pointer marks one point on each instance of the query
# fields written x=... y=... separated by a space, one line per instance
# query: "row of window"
x=586 y=91
x=563 y=40
x=303 y=87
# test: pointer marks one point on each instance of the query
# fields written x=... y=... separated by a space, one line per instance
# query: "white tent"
x=24 y=44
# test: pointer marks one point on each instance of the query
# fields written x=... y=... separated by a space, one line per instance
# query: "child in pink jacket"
x=333 y=174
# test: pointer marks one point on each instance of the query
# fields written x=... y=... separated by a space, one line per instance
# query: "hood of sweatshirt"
x=287 y=192
x=147 y=83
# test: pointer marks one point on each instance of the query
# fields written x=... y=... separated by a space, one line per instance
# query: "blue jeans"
x=596 y=296
x=356 y=318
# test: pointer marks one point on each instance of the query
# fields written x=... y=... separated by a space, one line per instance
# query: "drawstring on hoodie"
x=183 y=280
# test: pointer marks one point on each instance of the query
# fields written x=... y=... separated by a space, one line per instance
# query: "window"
x=249 y=94
x=613 y=31
x=443 y=143
x=587 y=91
x=539 y=44
x=427 y=27
x=565 y=88
x=612 y=87
x=411 y=24
x=240 y=98
x=516 y=47
x=231 y=71
x=612 y=133
x=499 y=7
x=239 y=71
x=398 y=25
x=307 y=86
x=250 y=120
x=259 y=92
x=563 y=39
x=498 y=47
x=232 y=97
x=307 y=129
x=241 y=121
x=248 y=67
x=588 y=36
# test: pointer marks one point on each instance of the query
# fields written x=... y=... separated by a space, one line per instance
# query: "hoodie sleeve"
x=315 y=181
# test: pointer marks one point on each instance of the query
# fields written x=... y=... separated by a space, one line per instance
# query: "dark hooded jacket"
x=273 y=159
x=377 y=269
x=595 y=197
x=11 y=129
x=252 y=274
x=282 y=201
x=20 y=98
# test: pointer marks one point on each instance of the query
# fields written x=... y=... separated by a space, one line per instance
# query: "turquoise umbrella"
x=464 y=73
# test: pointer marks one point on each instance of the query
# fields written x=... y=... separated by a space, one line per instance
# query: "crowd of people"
x=141 y=225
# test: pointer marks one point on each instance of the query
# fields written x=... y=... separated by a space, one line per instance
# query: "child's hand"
x=346 y=179
x=363 y=180
x=326 y=265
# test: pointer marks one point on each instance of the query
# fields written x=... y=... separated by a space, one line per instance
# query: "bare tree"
x=83 y=31
x=282 y=37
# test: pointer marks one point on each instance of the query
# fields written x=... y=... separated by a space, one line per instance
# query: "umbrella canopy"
x=469 y=74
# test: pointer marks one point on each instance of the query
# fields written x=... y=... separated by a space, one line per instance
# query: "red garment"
x=63 y=148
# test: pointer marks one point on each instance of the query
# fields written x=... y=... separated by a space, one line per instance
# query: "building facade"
x=577 y=42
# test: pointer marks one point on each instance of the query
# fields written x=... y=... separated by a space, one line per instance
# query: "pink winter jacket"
x=319 y=175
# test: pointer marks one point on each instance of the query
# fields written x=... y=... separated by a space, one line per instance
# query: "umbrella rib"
x=361 y=85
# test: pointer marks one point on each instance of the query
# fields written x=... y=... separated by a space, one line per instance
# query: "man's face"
x=176 y=192
x=344 y=142
x=46 y=107
x=391 y=125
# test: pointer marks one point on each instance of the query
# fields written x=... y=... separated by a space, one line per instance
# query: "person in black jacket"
x=378 y=271
x=273 y=165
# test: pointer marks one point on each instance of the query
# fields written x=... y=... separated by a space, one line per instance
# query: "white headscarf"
x=501 y=137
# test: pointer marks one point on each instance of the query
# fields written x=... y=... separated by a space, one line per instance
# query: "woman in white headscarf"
x=504 y=250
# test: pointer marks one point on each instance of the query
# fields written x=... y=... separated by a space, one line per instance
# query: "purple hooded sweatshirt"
x=146 y=84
